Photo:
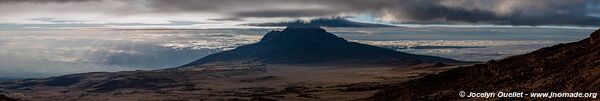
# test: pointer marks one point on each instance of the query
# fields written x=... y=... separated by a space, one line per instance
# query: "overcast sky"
x=223 y=13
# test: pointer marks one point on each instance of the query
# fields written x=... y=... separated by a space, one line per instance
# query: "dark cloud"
x=44 y=1
x=286 y=13
x=515 y=12
x=523 y=12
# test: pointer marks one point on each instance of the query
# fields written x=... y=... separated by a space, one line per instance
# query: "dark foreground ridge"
x=313 y=45
x=571 y=67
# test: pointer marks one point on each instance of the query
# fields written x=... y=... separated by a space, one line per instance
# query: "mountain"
x=571 y=67
x=322 y=22
x=280 y=66
x=313 y=45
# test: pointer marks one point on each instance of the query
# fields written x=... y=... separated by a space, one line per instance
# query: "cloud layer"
x=510 y=12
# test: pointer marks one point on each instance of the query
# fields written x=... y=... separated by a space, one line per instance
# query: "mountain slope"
x=571 y=67
x=235 y=74
x=323 y=22
x=313 y=45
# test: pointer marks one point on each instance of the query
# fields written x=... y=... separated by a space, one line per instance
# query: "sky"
x=19 y=14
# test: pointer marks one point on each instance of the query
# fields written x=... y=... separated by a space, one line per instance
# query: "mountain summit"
x=313 y=45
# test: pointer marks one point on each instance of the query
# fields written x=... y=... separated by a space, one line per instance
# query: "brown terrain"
x=571 y=67
x=274 y=82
